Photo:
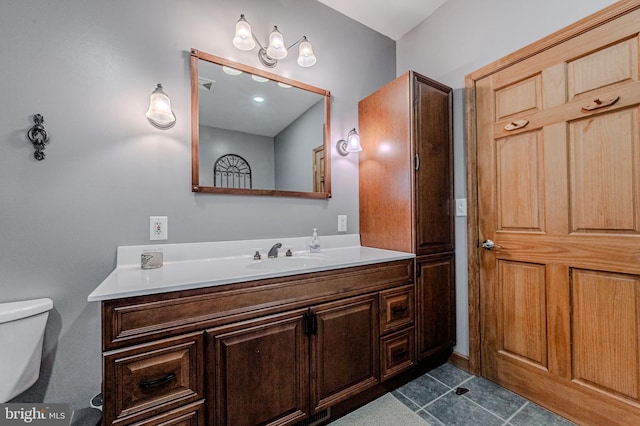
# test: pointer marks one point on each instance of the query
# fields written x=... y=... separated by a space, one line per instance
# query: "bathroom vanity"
x=215 y=337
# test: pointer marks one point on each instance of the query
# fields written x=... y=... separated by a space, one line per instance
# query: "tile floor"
x=433 y=397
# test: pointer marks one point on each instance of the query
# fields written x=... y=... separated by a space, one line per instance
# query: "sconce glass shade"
x=353 y=141
x=276 y=48
x=243 y=39
x=306 y=58
x=352 y=144
x=160 y=114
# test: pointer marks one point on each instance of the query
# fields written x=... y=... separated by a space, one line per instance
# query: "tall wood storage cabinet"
x=406 y=195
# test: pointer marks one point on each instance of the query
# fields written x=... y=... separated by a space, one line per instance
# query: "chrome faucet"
x=273 y=253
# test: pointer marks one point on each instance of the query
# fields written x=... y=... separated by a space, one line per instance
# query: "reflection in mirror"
x=256 y=133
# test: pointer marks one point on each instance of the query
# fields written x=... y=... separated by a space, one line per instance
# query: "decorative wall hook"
x=38 y=136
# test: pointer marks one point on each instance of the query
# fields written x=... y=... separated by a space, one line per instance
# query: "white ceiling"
x=392 y=18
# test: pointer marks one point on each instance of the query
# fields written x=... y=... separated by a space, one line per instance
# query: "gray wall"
x=89 y=67
x=461 y=37
x=294 y=150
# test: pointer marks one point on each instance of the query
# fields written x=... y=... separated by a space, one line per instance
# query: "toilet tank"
x=22 y=326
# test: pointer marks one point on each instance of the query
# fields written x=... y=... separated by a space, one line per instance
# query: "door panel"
x=605 y=331
x=522 y=96
x=524 y=324
x=604 y=67
x=560 y=197
x=603 y=173
x=520 y=171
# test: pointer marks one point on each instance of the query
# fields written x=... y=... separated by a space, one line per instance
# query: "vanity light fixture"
x=160 y=114
x=269 y=56
x=352 y=144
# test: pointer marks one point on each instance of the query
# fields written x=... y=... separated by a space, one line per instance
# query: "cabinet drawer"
x=396 y=309
x=398 y=352
x=189 y=415
x=146 y=379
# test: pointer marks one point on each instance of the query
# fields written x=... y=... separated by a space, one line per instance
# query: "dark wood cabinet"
x=283 y=368
x=436 y=304
x=259 y=371
x=269 y=352
x=406 y=194
x=344 y=350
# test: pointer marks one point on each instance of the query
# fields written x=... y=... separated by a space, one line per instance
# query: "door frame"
x=473 y=243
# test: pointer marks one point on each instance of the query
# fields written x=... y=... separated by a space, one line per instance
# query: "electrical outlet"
x=342 y=223
x=158 y=228
x=461 y=207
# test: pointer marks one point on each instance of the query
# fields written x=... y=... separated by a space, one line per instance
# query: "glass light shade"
x=276 y=48
x=353 y=142
x=160 y=113
x=243 y=39
x=306 y=58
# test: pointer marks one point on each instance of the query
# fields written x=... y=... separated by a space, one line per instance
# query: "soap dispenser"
x=314 y=243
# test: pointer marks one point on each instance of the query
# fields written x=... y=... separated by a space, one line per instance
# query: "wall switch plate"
x=342 y=223
x=158 y=228
x=461 y=207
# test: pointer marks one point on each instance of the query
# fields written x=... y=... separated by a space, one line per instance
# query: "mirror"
x=257 y=133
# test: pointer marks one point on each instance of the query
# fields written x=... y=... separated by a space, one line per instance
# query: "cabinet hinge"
x=310 y=323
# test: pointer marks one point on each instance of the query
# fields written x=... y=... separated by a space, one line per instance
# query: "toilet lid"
x=12 y=311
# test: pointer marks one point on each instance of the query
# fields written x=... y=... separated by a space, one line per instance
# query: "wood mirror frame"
x=197 y=55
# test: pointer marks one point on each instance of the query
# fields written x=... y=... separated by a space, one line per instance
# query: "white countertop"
x=199 y=265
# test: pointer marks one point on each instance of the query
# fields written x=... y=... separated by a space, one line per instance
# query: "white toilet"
x=22 y=327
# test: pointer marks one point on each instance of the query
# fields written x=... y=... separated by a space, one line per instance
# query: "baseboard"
x=460 y=361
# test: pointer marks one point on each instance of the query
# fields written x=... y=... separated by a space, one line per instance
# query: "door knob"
x=490 y=245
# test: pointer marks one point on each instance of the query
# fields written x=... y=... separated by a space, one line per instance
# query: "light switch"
x=342 y=223
x=461 y=207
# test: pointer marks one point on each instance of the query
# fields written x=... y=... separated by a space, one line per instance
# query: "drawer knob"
x=148 y=384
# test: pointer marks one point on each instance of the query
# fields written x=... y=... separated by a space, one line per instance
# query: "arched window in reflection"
x=231 y=171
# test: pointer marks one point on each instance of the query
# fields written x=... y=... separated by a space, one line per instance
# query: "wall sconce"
x=276 y=49
x=38 y=137
x=160 y=114
x=352 y=144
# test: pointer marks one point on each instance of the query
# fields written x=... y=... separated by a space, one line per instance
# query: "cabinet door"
x=258 y=371
x=434 y=166
x=436 y=304
x=344 y=350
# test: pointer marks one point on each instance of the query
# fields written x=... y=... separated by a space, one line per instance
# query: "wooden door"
x=344 y=350
x=435 y=276
x=559 y=195
x=433 y=166
x=318 y=169
x=259 y=371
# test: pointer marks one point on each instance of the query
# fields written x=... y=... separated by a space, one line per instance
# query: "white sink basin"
x=286 y=263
